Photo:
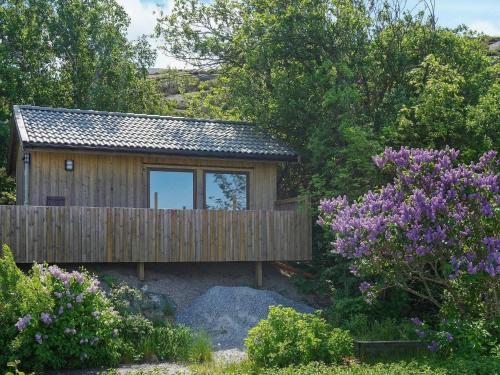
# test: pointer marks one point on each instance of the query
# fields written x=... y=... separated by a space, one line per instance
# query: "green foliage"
x=363 y=327
x=134 y=327
x=10 y=277
x=287 y=337
x=13 y=365
x=125 y=299
x=201 y=348
x=176 y=343
x=49 y=59
x=128 y=300
x=339 y=79
x=480 y=366
x=425 y=366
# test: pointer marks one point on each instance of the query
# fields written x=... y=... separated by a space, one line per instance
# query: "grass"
x=201 y=348
x=428 y=366
x=177 y=344
x=424 y=366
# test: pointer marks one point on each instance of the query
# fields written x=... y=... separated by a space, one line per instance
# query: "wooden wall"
x=19 y=175
x=118 y=180
x=99 y=234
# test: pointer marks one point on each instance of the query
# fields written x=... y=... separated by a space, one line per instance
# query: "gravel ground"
x=229 y=356
x=183 y=282
x=227 y=313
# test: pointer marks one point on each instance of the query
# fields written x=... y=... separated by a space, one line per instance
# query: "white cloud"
x=487 y=27
x=143 y=20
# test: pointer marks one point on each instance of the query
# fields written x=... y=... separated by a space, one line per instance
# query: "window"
x=175 y=188
x=226 y=190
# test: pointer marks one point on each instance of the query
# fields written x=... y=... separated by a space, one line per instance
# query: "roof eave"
x=152 y=151
x=17 y=132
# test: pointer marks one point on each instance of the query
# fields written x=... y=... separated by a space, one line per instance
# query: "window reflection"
x=226 y=191
x=174 y=188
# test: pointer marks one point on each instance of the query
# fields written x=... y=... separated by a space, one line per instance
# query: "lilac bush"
x=64 y=321
x=436 y=222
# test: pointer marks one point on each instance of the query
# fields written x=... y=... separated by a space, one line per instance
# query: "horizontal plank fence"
x=115 y=234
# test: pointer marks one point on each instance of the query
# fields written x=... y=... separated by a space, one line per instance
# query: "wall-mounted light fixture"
x=69 y=165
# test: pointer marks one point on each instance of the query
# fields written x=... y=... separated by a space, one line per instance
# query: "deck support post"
x=140 y=271
x=258 y=274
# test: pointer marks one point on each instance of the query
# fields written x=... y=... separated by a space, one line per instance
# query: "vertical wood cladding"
x=120 y=180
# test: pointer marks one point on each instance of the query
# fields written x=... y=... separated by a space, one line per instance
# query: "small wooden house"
x=118 y=187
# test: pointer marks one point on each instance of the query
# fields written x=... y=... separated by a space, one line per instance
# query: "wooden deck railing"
x=102 y=234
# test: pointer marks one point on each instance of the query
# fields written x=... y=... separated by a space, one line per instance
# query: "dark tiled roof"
x=82 y=129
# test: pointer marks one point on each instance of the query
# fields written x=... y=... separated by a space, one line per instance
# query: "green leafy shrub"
x=125 y=299
x=56 y=319
x=134 y=327
x=10 y=277
x=287 y=337
x=169 y=343
x=128 y=300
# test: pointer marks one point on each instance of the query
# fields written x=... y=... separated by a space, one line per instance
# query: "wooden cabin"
x=98 y=186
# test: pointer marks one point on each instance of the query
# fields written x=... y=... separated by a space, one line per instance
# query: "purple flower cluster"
x=364 y=287
x=23 y=322
x=434 y=346
x=67 y=277
x=46 y=318
x=435 y=209
x=417 y=321
x=437 y=338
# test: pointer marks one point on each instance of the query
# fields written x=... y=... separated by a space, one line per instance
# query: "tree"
x=338 y=80
x=73 y=54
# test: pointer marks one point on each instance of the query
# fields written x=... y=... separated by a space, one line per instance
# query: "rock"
x=227 y=313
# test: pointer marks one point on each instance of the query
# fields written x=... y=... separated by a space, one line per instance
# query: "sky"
x=479 y=15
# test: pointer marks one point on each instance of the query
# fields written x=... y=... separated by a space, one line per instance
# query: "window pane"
x=175 y=189
x=226 y=191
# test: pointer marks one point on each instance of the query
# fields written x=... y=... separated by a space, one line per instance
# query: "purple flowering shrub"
x=436 y=221
x=434 y=231
x=63 y=320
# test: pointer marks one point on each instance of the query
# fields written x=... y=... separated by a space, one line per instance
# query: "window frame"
x=192 y=171
x=226 y=171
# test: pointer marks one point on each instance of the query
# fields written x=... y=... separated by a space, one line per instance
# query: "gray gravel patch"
x=227 y=313
x=183 y=282
x=229 y=356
